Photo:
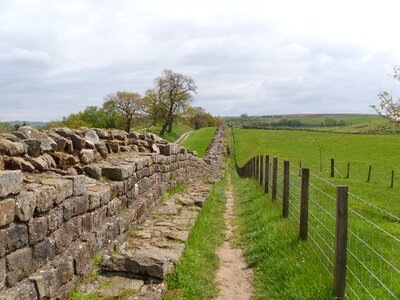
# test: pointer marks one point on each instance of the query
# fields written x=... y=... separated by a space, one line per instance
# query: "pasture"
x=199 y=140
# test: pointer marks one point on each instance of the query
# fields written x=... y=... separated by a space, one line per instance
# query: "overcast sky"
x=254 y=57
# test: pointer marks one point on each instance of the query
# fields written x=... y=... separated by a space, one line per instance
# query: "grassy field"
x=199 y=140
x=177 y=130
x=194 y=275
x=370 y=249
x=284 y=267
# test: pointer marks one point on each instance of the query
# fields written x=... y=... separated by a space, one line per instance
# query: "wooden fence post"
x=252 y=167
x=332 y=167
x=392 y=179
x=257 y=167
x=274 y=177
x=369 y=173
x=348 y=170
x=300 y=168
x=339 y=273
x=305 y=186
x=261 y=169
x=266 y=180
x=285 y=192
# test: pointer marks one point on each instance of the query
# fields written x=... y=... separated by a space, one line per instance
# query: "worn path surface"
x=183 y=137
x=234 y=276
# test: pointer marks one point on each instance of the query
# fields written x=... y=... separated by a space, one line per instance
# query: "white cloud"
x=259 y=57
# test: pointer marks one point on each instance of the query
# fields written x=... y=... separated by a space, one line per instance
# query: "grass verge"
x=284 y=267
x=177 y=130
x=199 y=140
x=194 y=275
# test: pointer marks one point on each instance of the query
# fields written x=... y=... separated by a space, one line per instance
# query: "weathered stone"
x=102 y=149
x=18 y=163
x=81 y=255
x=2 y=243
x=55 y=218
x=34 y=147
x=64 y=187
x=104 y=192
x=62 y=238
x=118 y=172
x=75 y=206
x=47 y=144
x=2 y=273
x=87 y=156
x=87 y=222
x=65 y=269
x=74 y=227
x=23 y=290
x=40 y=164
x=89 y=145
x=64 y=291
x=114 y=207
x=92 y=136
x=7 y=211
x=43 y=252
x=79 y=184
x=45 y=196
x=46 y=282
x=37 y=229
x=64 y=160
x=165 y=149
x=93 y=171
x=10 y=182
x=12 y=148
x=119 y=285
x=155 y=149
x=78 y=142
x=20 y=135
x=19 y=265
x=15 y=237
x=69 y=147
x=61 y=141
x=49 y=160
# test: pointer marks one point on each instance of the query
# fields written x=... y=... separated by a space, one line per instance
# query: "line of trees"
x=167 y=102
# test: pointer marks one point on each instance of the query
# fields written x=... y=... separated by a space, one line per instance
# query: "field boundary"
x=360 y=255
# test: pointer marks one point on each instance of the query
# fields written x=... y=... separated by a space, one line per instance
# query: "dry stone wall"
x=65 y=194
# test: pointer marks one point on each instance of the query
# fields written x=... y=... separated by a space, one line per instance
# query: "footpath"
x=234 y=276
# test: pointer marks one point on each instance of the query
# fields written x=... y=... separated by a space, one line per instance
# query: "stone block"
x=78 y=142
x=93 y=171
x=79 y=184
x=37 y=229
x=74 y=227
x=65 y=290
x=75 y=206
x=104 y=191
x=23 y=290
x=80 y=253
x=55 y=218
x=11 y=148
x=86 y=156
x=43 y=252
x=2 y=243
x=15 y=237
x=46 y=282
x=25 y=204
x=18 y=163
x=19 y=265
x=118 y=172
x=87 y=222
x=10 y=182
x=45 y=196
x=114 y=207
x=7 y=211
x=64 y=188
x=99 y=215
x=62 y=238
x=65 y=269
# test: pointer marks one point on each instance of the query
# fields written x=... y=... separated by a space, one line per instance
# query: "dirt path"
x=234 y=276
x=183 y=137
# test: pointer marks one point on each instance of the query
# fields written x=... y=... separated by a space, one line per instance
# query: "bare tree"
x=389 y=108
x=128 y=104
x=175 y=92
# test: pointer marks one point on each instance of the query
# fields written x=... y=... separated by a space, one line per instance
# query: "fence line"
x=371 y=254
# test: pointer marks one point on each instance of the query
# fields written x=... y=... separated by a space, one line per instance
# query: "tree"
x=389 y=108
x=153 y=107
x=200 y=118
x=175 y=92
x=128 y=104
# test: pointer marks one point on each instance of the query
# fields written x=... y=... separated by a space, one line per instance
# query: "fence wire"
x=373 y=243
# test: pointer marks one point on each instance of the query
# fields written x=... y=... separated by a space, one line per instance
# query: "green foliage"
x=284 y=267
x=6 y=127
x=194 y=275
x=199 y=140
x=93 y=116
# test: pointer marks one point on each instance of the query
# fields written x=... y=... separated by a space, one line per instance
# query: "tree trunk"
x=128 y=125
x=171 y=121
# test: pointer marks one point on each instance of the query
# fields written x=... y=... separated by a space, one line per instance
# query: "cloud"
x=254 y=57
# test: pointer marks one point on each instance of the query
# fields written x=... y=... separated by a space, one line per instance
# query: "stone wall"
x=65 y=194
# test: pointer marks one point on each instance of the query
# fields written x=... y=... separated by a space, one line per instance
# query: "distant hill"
x=33 y=123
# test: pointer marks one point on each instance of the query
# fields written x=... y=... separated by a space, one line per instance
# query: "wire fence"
x=372 y=251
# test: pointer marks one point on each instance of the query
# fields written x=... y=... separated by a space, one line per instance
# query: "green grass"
x=193 y=276
x=177 y=130
x=199 y=140
x=284 y=267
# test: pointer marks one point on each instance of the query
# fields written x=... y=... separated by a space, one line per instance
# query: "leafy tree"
x=175 y=92
x=6 y=127
x=153 y=107
x=389 y=108
x=128 y=104
x=200 y=118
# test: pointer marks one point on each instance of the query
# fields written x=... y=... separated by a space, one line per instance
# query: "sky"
x=255 y=57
